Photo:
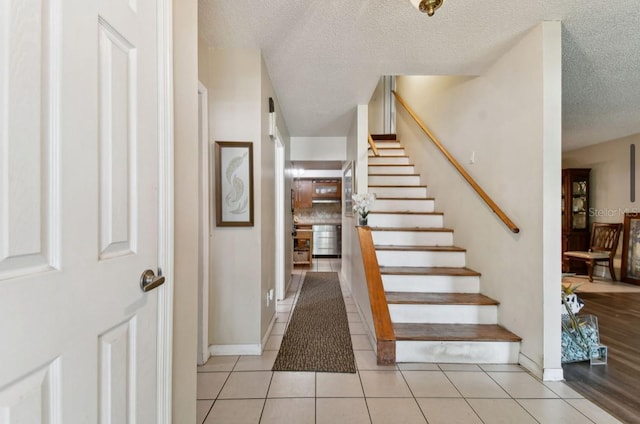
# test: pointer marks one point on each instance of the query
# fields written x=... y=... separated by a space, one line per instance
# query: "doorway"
x=204 y=219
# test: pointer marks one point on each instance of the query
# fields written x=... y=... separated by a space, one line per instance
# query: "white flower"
x=361 y=202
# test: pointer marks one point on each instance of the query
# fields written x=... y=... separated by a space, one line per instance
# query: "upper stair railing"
x=385 y=336
x=373 y=147
x=494 y=207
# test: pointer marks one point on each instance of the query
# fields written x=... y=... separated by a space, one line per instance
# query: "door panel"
x=26 y=99
x=117 y=77
x=78 y=211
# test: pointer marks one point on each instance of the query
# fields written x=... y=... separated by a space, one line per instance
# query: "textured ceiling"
x=325 y=56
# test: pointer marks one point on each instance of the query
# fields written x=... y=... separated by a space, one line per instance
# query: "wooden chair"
x=602 y=247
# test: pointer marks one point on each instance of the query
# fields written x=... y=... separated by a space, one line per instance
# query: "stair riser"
x=412 y=192
x=390 y=152
x=458 y=352
x=391 y=170
x=419 y=258
x=388 y=160
x=387 y=144
x=431 y=284
x=444 y=314
x=394 y=180
x=403 y=220
x=413 y=238
x=403 y=205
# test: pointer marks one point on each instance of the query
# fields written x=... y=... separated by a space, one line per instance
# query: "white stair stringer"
x=431 y=283
x=458 y=352
x=390 y=152
x=444 y=314
x=406 y=237
x=413 y=192
x=433 y=220
x=390 y=204
x=389 y=160
x=388 y=169
x=418 y=261
x=417 y=258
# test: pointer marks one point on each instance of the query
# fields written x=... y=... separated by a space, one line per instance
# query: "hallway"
x=243 y=389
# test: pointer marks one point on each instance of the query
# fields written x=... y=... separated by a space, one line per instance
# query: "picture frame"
x=630 y=269
x=234 y=183
x=348 y=180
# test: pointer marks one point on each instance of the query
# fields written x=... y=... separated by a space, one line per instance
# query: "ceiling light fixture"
x=427 y=6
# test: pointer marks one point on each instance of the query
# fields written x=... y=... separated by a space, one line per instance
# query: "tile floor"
x=243 y=389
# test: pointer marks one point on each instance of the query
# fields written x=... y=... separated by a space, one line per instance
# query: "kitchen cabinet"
x=327 y=189
x=303 y=193
x=575 y=214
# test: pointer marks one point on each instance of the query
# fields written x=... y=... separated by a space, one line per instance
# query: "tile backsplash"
x=319 y=213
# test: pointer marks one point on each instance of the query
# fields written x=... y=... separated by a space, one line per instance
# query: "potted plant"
x=361 y=203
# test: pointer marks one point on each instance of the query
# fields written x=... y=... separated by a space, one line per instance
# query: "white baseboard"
x=530 y=365
x=553 y=374
x=286 y=286
x=267 y=334
x=243 y=349
x=546 y=374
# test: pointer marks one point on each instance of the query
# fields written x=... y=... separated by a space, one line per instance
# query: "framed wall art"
x=348 y=179
x=234 y=183
x=630 y=271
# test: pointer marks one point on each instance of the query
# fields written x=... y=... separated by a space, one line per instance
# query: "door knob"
x=149 y=281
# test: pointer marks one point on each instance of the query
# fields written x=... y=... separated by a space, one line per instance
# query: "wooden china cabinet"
x=575 y=214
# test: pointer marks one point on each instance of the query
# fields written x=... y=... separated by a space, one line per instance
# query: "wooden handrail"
x=373 y=146
x=494 y=207
x=385 y=336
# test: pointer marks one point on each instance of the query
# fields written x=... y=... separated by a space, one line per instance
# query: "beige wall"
x=236 y=264
x=609 y=192
x=185 y=42
x=352 y=268
x=318 y=148
x=376 y=109
x=267 y=205
x=242 y=259
x=501 y=117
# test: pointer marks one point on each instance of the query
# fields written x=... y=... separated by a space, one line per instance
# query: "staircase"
x=437 y=311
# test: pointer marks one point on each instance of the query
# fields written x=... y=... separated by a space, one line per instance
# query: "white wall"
x=185 y=55
x=376 y=109
x=318 y=148
x=235 y=267
x=267 y=205
x=352 y=268
x=609 y=193
x=511 y=121
x=242 y=262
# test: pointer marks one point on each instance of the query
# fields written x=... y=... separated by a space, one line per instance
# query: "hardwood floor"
x=615 y=387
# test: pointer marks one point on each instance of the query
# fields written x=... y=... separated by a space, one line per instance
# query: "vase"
x=362 y=221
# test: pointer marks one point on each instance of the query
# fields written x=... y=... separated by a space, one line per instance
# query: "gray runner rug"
x=317 y=337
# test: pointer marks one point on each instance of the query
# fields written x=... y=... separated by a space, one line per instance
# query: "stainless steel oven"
x=327 y=240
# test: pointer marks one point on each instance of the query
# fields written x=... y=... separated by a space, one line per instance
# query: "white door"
x=78 y=211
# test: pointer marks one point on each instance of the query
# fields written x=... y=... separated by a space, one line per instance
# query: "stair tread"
x=414 y=229
x=391 y=164
x=404 y=198
x=453 y=332
x=405 y=213
x=397 y=186
x=394 y=175
x=384 y=137
x=419 y=298
x=421 y=248
x=436 y=270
